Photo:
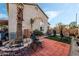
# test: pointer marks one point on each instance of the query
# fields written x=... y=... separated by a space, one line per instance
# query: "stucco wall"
x=12 y=21
x=30 y=11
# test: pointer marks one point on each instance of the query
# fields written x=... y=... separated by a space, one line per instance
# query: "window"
x=41 y=28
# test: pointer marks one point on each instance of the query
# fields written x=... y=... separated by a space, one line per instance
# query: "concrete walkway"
x=74 y=48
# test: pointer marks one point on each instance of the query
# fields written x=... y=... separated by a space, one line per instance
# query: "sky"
x=3 y=11
x=57 y=12
x=61 y=13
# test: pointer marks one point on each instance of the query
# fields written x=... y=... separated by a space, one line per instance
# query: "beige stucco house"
x=30 y=12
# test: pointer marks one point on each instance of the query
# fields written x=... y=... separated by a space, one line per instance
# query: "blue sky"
x=64 y=13
x=57 y=12
x=3 y=11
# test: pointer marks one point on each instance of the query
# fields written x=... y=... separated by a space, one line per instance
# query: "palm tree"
x=19 y=36
x=31 y=22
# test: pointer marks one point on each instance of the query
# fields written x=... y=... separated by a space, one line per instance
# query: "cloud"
x=51 y=26
x=3 y=15
x=52 y=14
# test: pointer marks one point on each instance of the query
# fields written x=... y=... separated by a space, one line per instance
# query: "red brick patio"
x=52 y=48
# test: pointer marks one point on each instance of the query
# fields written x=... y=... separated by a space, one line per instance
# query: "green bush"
x=38 y=33
x=67 y=40
x=58 y=38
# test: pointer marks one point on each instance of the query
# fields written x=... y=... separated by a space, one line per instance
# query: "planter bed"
x=58 y=38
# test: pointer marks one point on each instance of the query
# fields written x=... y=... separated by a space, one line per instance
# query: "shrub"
x=38 y=33
x=54 y=32
x=58 y=38
x=66 y=40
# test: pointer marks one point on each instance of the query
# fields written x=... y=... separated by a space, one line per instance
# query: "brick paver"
x=52 y=48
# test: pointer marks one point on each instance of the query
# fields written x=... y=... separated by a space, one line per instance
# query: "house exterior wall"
x=30 y=11
x=33 y=12
x=12 y=21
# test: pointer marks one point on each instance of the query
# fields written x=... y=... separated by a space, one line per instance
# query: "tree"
x=73 y=25
x=61 y=26
x=31 y=22
x=19 y=36
x=54 y=32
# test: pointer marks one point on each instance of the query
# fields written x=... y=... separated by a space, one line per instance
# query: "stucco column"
x=19 y=35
